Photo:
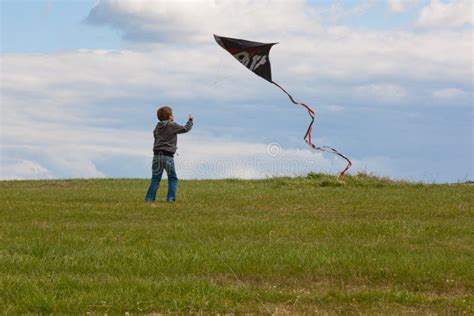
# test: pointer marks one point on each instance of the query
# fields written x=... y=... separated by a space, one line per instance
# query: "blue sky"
x=49 y=26
x=391 y=83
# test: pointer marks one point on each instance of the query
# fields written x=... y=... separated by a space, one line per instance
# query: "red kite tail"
x=307 y=136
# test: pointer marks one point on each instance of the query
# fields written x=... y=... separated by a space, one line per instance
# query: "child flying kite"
x=164 y=147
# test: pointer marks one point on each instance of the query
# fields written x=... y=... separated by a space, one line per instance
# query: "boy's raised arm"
x=180 y=129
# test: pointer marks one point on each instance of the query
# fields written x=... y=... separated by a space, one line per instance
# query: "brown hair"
x=164 y=113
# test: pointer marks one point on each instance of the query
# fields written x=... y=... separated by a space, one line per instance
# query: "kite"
x=255 y=56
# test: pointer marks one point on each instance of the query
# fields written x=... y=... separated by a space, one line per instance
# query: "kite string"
x=307 y=136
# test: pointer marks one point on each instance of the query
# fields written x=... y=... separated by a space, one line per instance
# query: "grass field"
x=303 y=245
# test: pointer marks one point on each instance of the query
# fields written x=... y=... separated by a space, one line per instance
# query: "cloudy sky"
x=391 y=82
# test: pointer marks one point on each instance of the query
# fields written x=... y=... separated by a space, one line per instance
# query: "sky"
x=391 y=82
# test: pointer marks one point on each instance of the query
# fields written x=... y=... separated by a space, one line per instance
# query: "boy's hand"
x=190 y=117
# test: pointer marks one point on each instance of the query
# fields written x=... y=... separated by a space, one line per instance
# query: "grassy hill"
x=279 y=245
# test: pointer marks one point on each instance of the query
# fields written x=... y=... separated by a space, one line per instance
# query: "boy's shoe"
x=170 y=201
x=151 y=203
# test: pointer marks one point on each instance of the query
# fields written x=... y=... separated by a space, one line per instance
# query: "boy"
x=164 y=148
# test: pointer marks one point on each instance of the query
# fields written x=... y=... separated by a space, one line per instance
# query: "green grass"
x=303 y=245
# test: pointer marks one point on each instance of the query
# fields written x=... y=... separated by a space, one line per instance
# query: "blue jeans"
x=161 y=163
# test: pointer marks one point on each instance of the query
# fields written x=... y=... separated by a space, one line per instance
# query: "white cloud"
x=63 y=78
x=307 y=48
x=85 y=87
x=198 y=20
x=381 y=92
x=449 y=93
x=348 y=55
x=338 y=12
x=19 y=169
x=401 y=5
x=334 y=108
x=446 y=14
x=232 y=159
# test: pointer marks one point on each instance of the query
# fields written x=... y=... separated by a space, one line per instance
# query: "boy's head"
x=165 y=113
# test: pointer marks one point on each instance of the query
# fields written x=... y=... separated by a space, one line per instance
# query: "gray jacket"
x=166 y=135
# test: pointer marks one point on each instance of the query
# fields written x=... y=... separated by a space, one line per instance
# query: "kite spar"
x=255 y=56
